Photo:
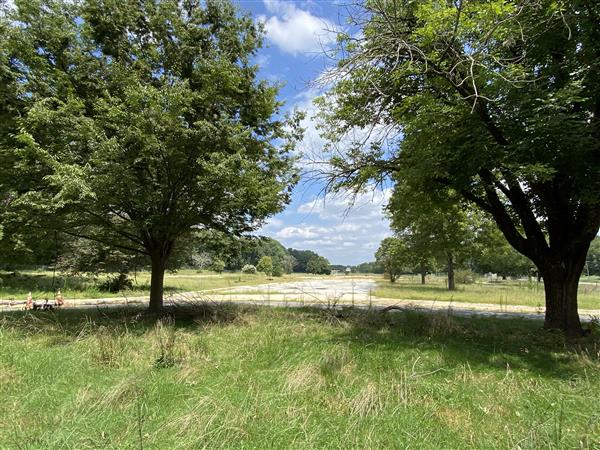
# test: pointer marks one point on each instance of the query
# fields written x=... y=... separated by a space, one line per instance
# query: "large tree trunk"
x=451 y=283
x=423 y=273
x=561 y=281
x=157 y=280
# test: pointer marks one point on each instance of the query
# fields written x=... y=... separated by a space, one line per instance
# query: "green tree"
x=369 y=267
x=593 y=258
x=433 y=227
x=499 y=101
x=494 y=254
x=252 y=249
x=301 y=259
x=393 y=256
x=265 y=265
x=217 y=265
x=318 y=265
x=147 y=120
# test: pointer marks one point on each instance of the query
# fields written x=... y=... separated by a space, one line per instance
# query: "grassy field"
x=275 y=378
x=43 y=284
x=498 y=293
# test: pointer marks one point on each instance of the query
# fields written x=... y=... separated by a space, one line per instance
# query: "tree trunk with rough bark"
x=157 y=279
x=561 y=282
x=423 y=272
x=451 y=283
x=159 y=250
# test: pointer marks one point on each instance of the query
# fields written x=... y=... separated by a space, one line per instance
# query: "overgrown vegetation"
x=231 y=377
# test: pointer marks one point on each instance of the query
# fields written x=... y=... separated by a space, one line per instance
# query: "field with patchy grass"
x=501 y=293
x=43 y=284
x=235 y=377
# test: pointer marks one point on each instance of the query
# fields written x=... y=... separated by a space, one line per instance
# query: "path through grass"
x=498 y=293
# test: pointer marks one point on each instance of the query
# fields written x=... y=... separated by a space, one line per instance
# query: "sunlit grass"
x=498 y=293
x=236 y=377
x=43 y=284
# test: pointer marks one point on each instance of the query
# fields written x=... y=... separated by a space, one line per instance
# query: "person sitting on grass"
x=59 y=299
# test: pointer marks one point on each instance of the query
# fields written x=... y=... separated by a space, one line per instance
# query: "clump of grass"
x=442 y=324
x=369 y=400
x=307 y=377
x=110 y=347
x=333 y=361
x=166 y=340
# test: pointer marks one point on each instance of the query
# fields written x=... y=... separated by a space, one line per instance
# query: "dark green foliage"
x=251 y=250
x=265 y=265
x=143 y=121
x=301 y=259
x=393 y=255
x=84 y=256
x=593 y=258
x=217 y=265
x=116 y=283
x=318 y=265
x=493 y=254
x=496 y=101
x=369 y=267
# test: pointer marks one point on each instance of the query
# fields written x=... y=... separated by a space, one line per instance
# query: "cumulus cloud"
x=302 y=232
x=296 y=30
x=344 y=229
x=366 y=205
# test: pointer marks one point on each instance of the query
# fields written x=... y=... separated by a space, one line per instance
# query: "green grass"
x=43 y=284
x=237 y=377
x=498 y=293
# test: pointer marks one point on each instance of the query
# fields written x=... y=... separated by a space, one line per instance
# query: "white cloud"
x=366 y=205
x=305 y=232
x=344 y=229
x=295 y=30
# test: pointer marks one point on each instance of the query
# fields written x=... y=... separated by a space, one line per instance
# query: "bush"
x=116 y=284
x=249 y=268
x=265 y=265
x=277 y=271
x=464 y=277
x=217 y=265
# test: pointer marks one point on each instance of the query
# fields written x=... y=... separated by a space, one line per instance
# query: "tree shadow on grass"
x=482 y=342
x=73 y=323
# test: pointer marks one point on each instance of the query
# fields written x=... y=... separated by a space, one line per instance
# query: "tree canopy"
x=498 y=101
x=394 y=256
x=318 y=265
x=144 y=121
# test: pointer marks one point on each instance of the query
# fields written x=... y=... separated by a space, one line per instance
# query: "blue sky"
x=296 y=34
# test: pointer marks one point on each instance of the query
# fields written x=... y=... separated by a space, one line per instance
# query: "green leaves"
x=145 y=119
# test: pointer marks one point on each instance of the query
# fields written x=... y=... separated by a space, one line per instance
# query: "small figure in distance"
x=59 y=299
x=29 y=302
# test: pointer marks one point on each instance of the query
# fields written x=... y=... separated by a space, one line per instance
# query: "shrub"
x=116 y=284
x=277 y=271
x=265 y=265
x=249 y=268
x=464 y=276
x=217 y=265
